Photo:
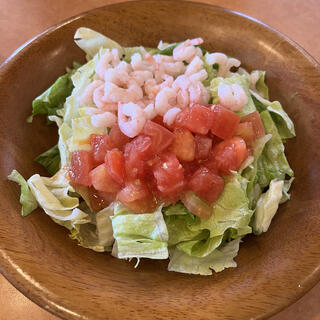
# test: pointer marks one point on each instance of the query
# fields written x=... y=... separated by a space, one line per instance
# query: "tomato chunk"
x=102 y=181
x=100 y=200
x=137 y=197
x=246 y=132
x=206 y=185
x=115 y=165
x=224 y=122
x=169 y=176
x=136 y=153
x=257 y=124
x=118 y=138
x=183 y=145
x=229 y=155
x=100 y=144
x=160 y=136
x=80 y=166
x=197 y=119
x=203 y=147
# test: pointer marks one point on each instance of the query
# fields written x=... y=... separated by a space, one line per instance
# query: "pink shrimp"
x=86 y=97
x=186 y=50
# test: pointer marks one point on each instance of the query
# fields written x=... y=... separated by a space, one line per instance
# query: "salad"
x=168 y=152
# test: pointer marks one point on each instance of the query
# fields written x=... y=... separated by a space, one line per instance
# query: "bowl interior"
x=37 y=256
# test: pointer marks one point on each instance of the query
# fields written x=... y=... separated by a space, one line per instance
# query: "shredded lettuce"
x=50 y=159
x=27 y=200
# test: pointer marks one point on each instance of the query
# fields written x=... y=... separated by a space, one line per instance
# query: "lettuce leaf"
x=272 y=164
x=27 y=200
x=267 y=207
x=139 y=235
x=217 y=260
x=50 y=159
x=283 y=122
x=91 y=41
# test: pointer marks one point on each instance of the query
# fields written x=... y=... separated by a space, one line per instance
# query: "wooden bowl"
x=274 y=269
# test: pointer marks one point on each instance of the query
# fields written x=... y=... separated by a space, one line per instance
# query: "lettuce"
x=139 y=235
x=217 y=260
x=27 y=200
x=267 y=207
x=91 y=41
x=50 y=159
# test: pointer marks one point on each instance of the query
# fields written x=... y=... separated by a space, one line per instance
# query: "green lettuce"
x=139 y=235
x=267 y=207
x=27 y=200
x=91 y=41
x=217 y=260
x=283 y=122
x=242 y=80
x=50 y=159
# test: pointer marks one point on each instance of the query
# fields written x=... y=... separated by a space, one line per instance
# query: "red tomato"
x=136 y=153
x=195 y=205
x=203 y=147
x=102 y=181
x=196 y=118
x=257 y=124
x=118 y=138
x=206 y=185
x=100 y=144
x=229 y=155
x=115 y=164
x=80 y=166
x=169 y=176
x=100 y=200
x=189 y=168
x=159 y=120
x=224 y=122
x=160 y=136
x=137 y=197
x=246 y=132
x=183 y=145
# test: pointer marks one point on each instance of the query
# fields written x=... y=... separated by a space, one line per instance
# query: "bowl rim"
x=8 y=268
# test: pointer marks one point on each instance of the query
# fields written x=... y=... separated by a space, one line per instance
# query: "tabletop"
x=23 y=19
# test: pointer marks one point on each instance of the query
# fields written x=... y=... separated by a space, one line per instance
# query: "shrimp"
x=86 y=97
x=111 y=108
x=104 y=64
x=161 y=58
x=199 y=76
x=117 y=77
x=170 y=116
x=103 y=120
x=113 y=93
x=198 y=94
x=181 y=82
x=150 y=111
x=152 y=88
x=165 y=100
x=138 y=64
x=232 y=96
x=186 y=50
x=131 y=119
x=225 y=63
x=141 y=76
x=194 y=66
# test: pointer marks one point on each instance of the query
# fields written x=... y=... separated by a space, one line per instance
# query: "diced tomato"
x=115 y=164
x=100 y=144
x=102 y=181
x=100 y=200
x=246 y=132
x=196 y=205
x=229 y=155
x=257 y=124
x=203 y=147
x=118 y=138
x=206 y=185
x=160 y=136
x=137 y=197
x=159 y=120
x=136 y=153
x=197 y=119
x=183 y=145
x=224 y=122
x=189 y=168
x=169 y=176
x=80 y=166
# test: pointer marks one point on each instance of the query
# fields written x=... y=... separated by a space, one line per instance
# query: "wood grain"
x=34 y=252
